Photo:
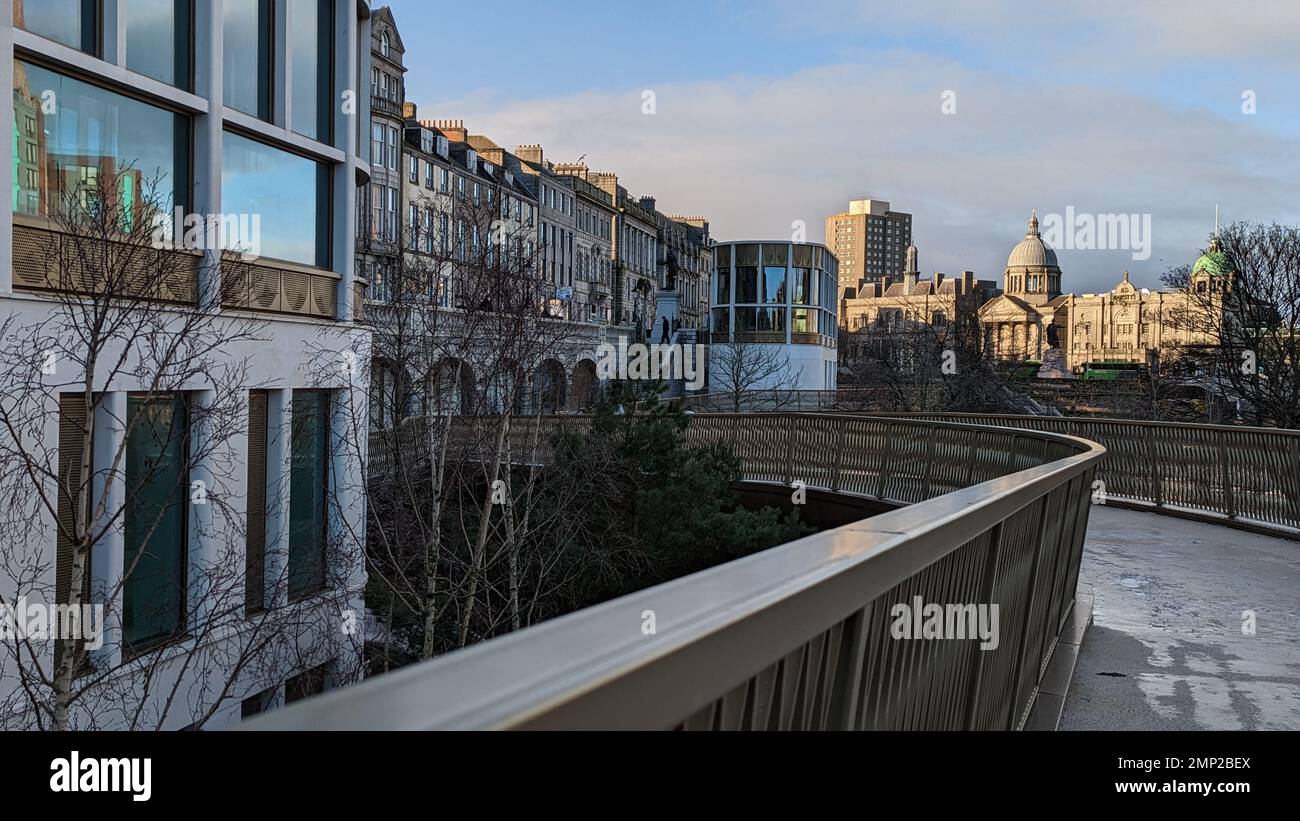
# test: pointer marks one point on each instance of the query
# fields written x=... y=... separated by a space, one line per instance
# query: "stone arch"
x=503 y=387
x=585 y=386
x=388 y=391
x=450 y=388
x=549 y=388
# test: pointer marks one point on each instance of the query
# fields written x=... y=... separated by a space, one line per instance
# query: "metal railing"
x=799 y=635
x=1239 y=476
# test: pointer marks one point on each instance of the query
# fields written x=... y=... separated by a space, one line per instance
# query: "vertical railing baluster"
x=841 y=427
x=986 y=596
x=1154 y=485
x=884 y=464
x=1018 y=674
x=1225 y=470
x=847 y=691
x=1291 y=475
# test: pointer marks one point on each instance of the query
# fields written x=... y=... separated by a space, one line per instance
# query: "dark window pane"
x=803 y=286
x=70 y=22
x=308 y=484
x=155 y=515
x=246 y=66
x=747 y=284
x=312 y=49
x=158 y=40
x=773 y=284
x=91 y=136
x=306 y=684
x=282 y=191
x=721 y=320
x=746 y=319
x=724 y=287
x=771 y=319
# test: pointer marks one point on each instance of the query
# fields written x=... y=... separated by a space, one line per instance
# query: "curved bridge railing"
x=805 y=635
x=1238 y=476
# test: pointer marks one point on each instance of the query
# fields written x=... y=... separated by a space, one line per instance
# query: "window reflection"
x=747 y=284
x=71 y=22
x=63 y=153
x=774 y=284
x=274 y=185
x=158 y=40
x=312 y=57
x=246 y=66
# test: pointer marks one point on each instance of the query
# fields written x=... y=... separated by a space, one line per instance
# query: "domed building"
x=1029 y=317
x=1127 y=324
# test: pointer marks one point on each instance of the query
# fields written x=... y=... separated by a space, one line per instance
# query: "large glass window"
x=746 y=320
x=158 y=40
x=289 y=195
x=308 y=488
x=724 y=287
x=803 y=287
x=71 y=22
x=81 y=137
x=771 y=319
x=246 y=70
x=747 y=284
x=312 y=36
x=722 y=321
x=157 y=488
x=774 y=284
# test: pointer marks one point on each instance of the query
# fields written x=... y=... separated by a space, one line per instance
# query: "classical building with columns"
x=1125 y=324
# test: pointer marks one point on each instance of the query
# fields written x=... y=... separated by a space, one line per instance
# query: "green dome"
x=1211 y=262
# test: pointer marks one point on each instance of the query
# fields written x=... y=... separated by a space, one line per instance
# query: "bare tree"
x=466 y=341
x=741 y=371
x=917 y=366
x=1242 y=310
x=108 y=479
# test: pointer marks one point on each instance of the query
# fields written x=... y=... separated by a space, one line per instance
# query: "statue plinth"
x=1054 y=365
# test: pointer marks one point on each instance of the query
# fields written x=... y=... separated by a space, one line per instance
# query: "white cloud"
x=756 y=154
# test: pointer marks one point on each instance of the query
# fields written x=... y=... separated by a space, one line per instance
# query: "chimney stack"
x=532 y=152
x=408 y=110
x=454 y=129
x=606 y=181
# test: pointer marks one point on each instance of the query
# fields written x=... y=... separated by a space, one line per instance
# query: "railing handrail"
x=595 y=669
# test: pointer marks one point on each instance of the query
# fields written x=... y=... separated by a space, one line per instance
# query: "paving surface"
x=1169 y=648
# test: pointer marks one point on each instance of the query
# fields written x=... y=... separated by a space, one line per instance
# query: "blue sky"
x=771 y=113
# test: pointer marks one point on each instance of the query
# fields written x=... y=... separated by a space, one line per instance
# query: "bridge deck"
x=1166 y=650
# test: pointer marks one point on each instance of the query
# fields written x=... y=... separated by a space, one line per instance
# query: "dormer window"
x=471 y=160
x=444 y=147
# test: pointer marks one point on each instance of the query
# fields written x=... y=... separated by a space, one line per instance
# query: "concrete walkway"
x=1167 y=649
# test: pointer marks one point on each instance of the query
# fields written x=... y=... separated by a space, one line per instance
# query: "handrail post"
x=789 y=448
x=1294 y=477
x=841 y=426
x=1225 y=471
x=929 y=467
x=986 y=596
x=884 y=461
x=847 y=687
x=970 y=458
x=1018 y=669
x=1153 y=468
